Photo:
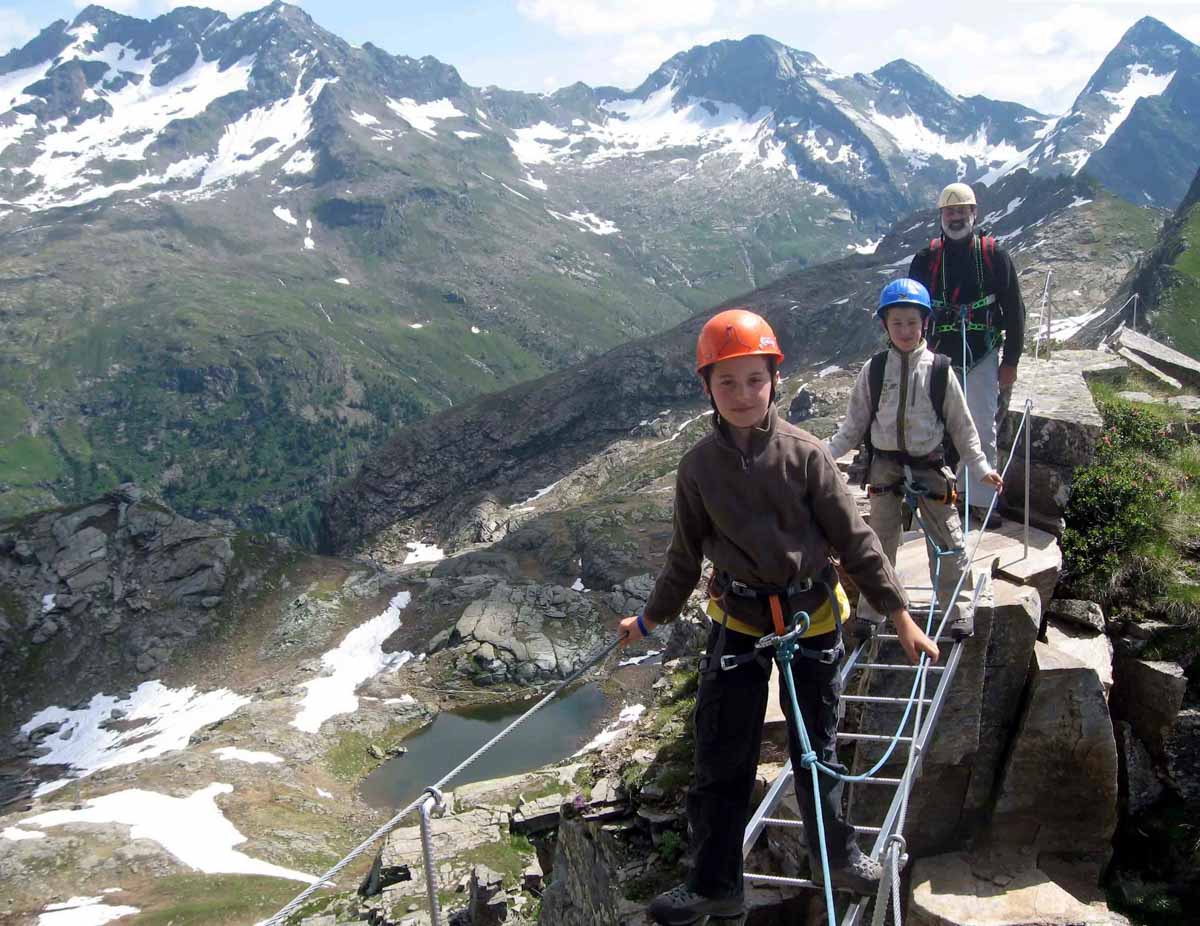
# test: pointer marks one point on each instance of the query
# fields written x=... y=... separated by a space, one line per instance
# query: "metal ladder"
x=863 y=661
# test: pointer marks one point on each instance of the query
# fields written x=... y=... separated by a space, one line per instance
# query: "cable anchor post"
x=433 y=802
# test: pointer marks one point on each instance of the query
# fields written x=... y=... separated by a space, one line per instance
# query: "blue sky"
x=1029 y=51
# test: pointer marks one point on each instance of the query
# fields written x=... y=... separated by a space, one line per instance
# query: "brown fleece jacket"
x=767 y=518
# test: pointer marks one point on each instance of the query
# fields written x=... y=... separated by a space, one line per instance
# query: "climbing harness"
x=912 y=489
x=938 y=381
x=890 y=845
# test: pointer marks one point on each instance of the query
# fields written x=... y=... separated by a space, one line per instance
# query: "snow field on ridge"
x=360 y=656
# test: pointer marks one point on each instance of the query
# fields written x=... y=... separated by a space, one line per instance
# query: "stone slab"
x=1149 y=695
x=1167 y=358
x=1146 y=366
x=1091 y=648
x=1000 y=889
x=1041 y=791
x=1064 y=421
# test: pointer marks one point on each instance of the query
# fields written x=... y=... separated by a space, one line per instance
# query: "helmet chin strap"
x=967 y=229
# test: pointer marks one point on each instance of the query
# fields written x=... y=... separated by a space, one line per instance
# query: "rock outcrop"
x=1040 y=795
x=1063 y=428
x=110 y=588
x=525 y=634
x=1003 y=888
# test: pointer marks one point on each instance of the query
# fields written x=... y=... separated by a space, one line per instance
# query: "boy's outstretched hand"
x=993 y=479
x=628 y=630
x=913 y=638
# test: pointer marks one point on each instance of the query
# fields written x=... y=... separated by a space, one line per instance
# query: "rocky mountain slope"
x=472 y=473
x=217 y=226
x=1167 y=278
x=1133 y=126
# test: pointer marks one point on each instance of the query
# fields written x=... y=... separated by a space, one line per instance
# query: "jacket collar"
x=758 y=437
x=913 y=354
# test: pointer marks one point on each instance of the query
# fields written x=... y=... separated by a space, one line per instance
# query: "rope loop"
x=439 y=799
x=808 y=760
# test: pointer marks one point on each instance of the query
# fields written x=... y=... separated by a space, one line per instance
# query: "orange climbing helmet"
x=735 y=333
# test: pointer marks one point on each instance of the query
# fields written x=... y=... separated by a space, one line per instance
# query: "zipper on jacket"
x=902 y=407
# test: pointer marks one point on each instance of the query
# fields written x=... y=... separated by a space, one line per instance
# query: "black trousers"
x=730 y=708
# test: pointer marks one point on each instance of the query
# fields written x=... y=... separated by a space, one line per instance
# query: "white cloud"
x=617 y=17
x=128 y=7
x=15 y=30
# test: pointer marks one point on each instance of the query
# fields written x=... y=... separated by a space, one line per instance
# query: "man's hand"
x=913 y=638
x=1008 y=376
x=628 y=630
x=993 y=479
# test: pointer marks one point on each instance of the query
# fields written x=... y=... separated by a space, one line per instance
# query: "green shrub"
x=1116 y=504
x=671 y=846
x=1130 y=428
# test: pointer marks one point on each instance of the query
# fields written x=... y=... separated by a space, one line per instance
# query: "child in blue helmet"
x=903 y=428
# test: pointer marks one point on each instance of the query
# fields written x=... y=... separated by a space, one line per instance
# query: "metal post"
x=1028 y=428
x=435 y=913
x=1043 y=323
x=1135 y=305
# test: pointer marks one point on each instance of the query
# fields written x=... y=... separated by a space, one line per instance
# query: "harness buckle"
x=729 y=662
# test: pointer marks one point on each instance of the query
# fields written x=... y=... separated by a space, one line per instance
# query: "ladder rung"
x=799 y=824
x=881 y=699
x=892 y=636
x=897 y=668
x=777 y=879
x=873 y=737
x=876 y=780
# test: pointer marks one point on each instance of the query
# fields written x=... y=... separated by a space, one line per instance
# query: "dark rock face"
x=112 y=587
x=1040 y=795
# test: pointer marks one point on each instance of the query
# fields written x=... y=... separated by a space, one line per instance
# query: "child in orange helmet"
x=765 y=503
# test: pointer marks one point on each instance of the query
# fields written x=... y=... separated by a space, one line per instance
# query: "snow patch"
x=423 y=116
x=17 y=835
x=360 y=656
x=577 y=586
x=83 y=911
x=615 y=730
x=423 y=553
x=1078 y=201
x=1140 y=81
x=154 y=719
x=232 y=753
x=284 y=215
x=342 y=281
x=363 y=119
x=191 y=828
x=589 y=221
x=466 y=135
x=302 y=162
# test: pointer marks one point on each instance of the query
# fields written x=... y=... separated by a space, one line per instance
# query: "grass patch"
x=214 y=900
x=348 y=759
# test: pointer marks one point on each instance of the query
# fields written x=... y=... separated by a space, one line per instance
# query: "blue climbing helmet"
x=904 y=292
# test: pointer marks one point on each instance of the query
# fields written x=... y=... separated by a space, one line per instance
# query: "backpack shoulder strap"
x=987 y=244
x=935 y=261
x=875 y=381
x=938 y=383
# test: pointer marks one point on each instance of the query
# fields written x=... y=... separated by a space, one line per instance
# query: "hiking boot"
x=860 y=874
x=680 y=906
x=961 y=624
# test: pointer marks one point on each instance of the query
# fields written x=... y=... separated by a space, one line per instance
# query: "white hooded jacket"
x=918 y=431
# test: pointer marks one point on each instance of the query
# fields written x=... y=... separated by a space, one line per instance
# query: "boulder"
x=1090 y=648
x=526 y=634
x=1040 y=795
x=488 y=906
x=1140 y=784
x=1165 y=358
x=1149 y=695
x=1074 y=611
x=1181 y=750
x=1002 y=888
x=1017 y=612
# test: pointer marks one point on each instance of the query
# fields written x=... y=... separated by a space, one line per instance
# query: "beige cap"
x=956 y=194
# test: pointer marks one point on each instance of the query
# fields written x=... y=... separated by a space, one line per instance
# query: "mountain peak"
x=1150 y=30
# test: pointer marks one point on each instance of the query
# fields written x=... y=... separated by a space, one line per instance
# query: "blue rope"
x=786 y=648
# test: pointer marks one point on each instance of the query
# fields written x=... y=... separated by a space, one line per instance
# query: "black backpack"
x=937 y=395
